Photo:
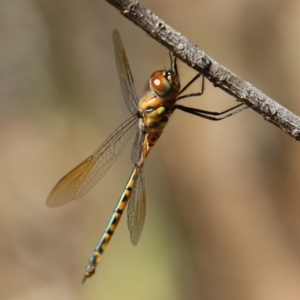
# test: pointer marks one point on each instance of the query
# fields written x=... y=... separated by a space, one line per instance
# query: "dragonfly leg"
x=189 y=84
x=213 y=115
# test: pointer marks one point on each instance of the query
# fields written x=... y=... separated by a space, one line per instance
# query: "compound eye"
x=160 y=84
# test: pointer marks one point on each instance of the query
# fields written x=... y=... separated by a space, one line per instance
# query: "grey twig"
x=213 y=71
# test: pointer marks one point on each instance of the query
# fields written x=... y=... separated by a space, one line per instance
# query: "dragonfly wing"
x=124 y=73
x=137 y=146
x=83 y=177
x=136 y=211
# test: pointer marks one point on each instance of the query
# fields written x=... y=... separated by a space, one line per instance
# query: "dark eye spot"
x=164 y=119
x=154 y=124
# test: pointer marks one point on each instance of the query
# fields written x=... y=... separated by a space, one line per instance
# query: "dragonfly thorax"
x=155 y=112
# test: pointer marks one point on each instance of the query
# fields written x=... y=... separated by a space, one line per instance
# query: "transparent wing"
x=125 y=76
x=136 y=211
x=137 y=148
x=83 y=177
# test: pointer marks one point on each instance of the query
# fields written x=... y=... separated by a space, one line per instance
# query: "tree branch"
x=219 y=76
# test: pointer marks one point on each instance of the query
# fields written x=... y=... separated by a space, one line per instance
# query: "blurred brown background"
x=223 y=217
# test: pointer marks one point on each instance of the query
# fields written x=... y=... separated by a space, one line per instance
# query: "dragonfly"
x=149 y=116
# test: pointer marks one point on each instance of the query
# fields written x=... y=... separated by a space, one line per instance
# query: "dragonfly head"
x=165 y=84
